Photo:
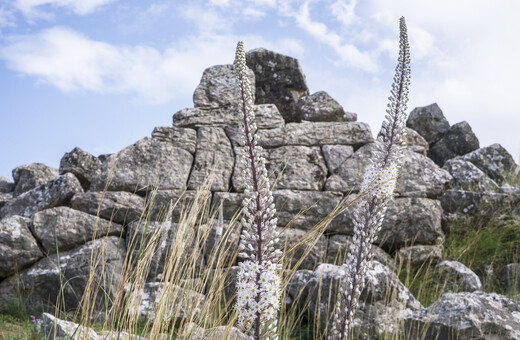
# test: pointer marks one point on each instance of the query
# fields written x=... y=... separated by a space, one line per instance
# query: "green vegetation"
x=17 y=327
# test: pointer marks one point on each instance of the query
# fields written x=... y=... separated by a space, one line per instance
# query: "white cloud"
x=32 y=8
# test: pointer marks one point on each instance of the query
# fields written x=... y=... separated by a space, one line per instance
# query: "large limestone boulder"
x=279 y=80
x=429 y=121
x=493 y=160
x=418 y=175
x=466 y=176
x=306 y=254
x=474 y=203
x=476 y=315
x=184 y=138
x=51 y=327
x=458 y=140
x=416 y=256
x=267 y=117
x=414 y=141
x=6 y=185
x=54 y=193
x=214 y=159
x=321 y=107
x=117 y=206
x=5 y=197
x=383 y=300
x=80 y=163
x=218 y=87
x=181 y=202
x=17 y=245
x=456 y=277
x=67 y=278
x=291 y=167
x=63 y=228
x=144 y=165
x=30 y=176
x=336 y=155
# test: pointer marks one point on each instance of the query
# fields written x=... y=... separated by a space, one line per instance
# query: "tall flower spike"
x=258 y=283
x=376 y=190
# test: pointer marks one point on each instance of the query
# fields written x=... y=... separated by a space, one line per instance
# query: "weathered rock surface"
x=466 y=176
x=54 y=193
x=383 y=300
x=184 y=138
x=117 y=206
x=321 y=107
x=68 y=277
x=456 y=277
x=416 y=256
x=418 y=175
x=65 y=228
x=51 y=327
x=30 y=176
x=267 y=117
x=143 y=165
x=338 y=247
x=181 y=304
x=17 y=245
x=231 y=203
x=6 y=185
x=476 y=315
x=509 y=277
x=474 y=203
x=493 y=160
x=221 y=240
x=80 y=163
x=301 y=167
x=5 y=197
x=182 y=203
x=214 y=159
x=195 y=332
x=429 y=121
x=415 y=142
x=311 y=134
x=279 y=80
x=336 y=155
x=458 y=140
x=294 y=238
x=295 y=288
x=218 y=87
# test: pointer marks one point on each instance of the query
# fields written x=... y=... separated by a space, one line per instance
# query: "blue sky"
x=101 y=74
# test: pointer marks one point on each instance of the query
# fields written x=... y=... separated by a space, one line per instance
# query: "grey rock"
x=267 y=117
x=231 y=203
x=382 y=300
x=476 y=315
x=51 y=327
x=157 y=244
x=220 y=242
x=183 y=304
x=218 y=87
x=415 y=142
x=415 y=257
x=311 y=134
x=30 y=176
x=80 y=163
x=146 y=164
x=315 y=248
x=336 y=155
x=321 y=107
x=184 y=138
x=67 y=278
x=6 y=185
x=17 y=245
x=474 y=203
x=290 y=167
x=458 y=140
x=54 y=193
x=119 y=207
x=194 y=332
x=418 y=175
x=5 y=197
x=493 y=160
x=338 y=247
x=104 y=157
x=279 y=80
x=509 y=277
x=456 y=277
x=296 y=286
x=466 y=176
x=214 y=160
x=429 y=121
x=182 y=203
x=122 y=335
x=64 y=228
x=222 y=285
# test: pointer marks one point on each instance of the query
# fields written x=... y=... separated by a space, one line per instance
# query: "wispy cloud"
x=35 y=8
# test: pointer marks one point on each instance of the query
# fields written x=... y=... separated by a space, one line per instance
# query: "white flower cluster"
x=258 y=282
x=377 y=188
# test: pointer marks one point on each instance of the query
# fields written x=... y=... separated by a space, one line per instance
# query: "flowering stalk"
x=376 y=190
x=258 y=281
